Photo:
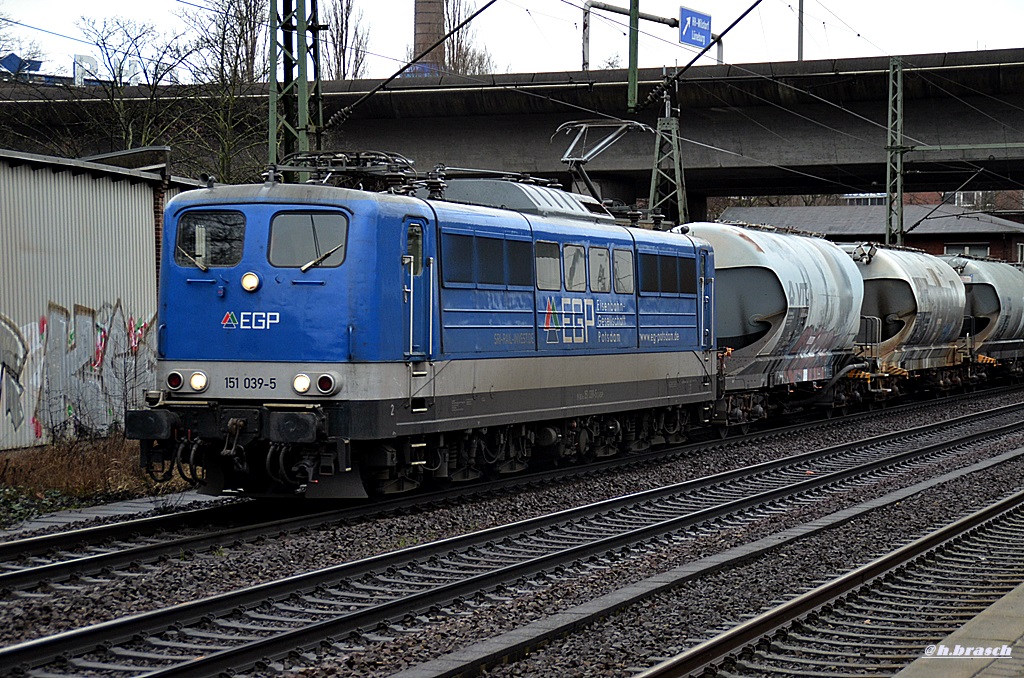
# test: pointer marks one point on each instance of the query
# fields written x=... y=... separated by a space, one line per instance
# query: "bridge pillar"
x=696 y=207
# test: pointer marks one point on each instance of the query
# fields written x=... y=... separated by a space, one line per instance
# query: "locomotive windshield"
x=210 y=239
x=304 y=240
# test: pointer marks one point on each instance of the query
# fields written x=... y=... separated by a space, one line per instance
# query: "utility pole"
x=895 y=150
x=296 y=101
x=800 y=32
x=634 y=49
x=668 y=185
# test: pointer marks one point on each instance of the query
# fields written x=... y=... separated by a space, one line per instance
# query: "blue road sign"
x=694 y=28
x=15 y=64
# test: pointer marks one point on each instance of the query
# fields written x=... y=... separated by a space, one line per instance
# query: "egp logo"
x=250 y=320
x=567 y=320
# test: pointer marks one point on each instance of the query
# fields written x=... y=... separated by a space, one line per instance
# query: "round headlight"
x=301 y=383
x=250 y=282
x=197 y=381
x=175 y=380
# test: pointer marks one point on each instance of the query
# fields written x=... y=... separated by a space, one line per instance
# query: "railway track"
x=26 y=564
x=236 y=629
x=879 y=618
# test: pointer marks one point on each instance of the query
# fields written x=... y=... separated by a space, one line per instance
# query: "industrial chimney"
x=429 y=29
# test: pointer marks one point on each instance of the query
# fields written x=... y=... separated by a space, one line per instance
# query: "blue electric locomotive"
x=323 y=341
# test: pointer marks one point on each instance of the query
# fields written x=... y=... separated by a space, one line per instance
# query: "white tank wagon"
x=912 y=314
x=786 y=315
x=993 y=328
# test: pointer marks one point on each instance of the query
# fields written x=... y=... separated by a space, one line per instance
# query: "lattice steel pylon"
x=894 y=157
x=296 y=101
x=668 y=186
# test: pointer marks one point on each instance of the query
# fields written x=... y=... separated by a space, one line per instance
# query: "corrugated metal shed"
x=77 y=292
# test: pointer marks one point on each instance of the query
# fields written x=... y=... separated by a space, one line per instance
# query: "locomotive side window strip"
x=688 y=275
x=520 y=272
x=549 y=266
x=468 y=260
x=575 y=268
x=666 y=274
x=490 y=257
x=208 y=238
x=600 y=270
x=298 y=238
x=650 y=281
x=457 y=258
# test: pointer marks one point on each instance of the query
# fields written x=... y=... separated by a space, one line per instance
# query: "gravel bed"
x=177 y=580
x=180 y=502
x=667 y=624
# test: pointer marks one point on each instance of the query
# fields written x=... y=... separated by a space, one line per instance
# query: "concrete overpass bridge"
x=752 y=129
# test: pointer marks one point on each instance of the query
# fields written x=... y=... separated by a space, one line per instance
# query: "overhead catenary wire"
x=703 y=144
x=779 y=83
x=921 y=69
x=345 y=112
x=581 y=108
x=941 y=203
x=656 y=93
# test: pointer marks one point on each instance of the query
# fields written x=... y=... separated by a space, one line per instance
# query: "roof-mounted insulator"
x=435 y=186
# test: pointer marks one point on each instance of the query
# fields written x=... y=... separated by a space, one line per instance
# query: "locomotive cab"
x=262 y=289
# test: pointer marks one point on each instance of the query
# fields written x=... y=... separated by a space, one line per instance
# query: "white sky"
x=545 y=35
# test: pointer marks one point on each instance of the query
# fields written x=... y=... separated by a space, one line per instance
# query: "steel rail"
x=709 y=652
x=83 y=640
x=82 y=539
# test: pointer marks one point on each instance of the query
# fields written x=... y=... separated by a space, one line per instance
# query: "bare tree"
x=11 y=40
x=344 y=49
x=229 y=63
x=137 y=65
x=462 y=55
x=7 y=37
x=231 y=41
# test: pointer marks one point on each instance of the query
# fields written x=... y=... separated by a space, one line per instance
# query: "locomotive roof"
x=869 y=220
x=526 y=198
x=266 y=191
x=519 y=197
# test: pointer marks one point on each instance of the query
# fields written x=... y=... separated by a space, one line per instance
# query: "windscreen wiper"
x=319 y=260
x=202 y=267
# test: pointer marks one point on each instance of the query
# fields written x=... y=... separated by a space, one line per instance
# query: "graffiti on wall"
x=74 y=373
